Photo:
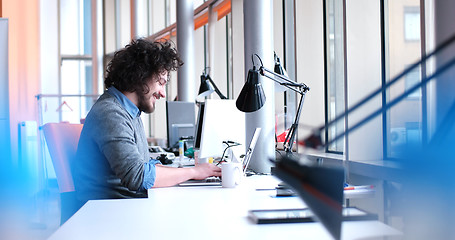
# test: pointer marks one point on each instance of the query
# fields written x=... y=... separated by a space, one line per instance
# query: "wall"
x=24 y=67
x=16 y=204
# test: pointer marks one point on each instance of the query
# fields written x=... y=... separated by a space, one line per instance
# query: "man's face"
x=157 y=86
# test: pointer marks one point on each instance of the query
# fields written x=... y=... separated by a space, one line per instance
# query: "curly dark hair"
x=141 y=59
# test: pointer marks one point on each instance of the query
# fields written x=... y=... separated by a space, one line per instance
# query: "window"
x=353 y=71
x=335 y=68
x=411 y=79
x=404 y=120
x=360 y=58
x=411 y=23
x=76 y=61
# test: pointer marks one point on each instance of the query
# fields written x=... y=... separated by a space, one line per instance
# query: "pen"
x=359 y=187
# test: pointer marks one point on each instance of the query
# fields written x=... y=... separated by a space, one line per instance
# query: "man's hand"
x=205 y=170
x=170 y=176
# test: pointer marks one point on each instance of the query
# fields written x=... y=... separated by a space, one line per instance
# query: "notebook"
x=249 y=151
x=215 y=181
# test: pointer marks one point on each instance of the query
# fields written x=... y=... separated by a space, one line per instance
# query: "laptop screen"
x=249 y=151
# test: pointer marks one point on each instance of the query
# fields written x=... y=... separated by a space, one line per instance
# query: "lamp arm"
x=216 y=88
x=289 y=83
x=300 y=88
x=289 y=141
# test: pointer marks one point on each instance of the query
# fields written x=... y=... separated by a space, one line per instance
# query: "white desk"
x=202 y=213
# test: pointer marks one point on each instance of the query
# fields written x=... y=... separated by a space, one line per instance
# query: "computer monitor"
x=199 y=123
x=218 y=121
x=180 y=121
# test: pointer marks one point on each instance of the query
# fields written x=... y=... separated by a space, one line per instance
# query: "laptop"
x=215 y=181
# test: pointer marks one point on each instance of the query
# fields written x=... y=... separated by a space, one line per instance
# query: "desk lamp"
x=207 y=87
x=320 y=187
x=252 y=96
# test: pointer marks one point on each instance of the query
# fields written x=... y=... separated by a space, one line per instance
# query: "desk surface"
x=202 y=213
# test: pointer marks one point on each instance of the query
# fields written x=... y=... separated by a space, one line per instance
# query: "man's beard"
x=144 y=104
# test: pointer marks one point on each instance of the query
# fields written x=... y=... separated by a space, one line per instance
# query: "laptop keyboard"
x=212 y=179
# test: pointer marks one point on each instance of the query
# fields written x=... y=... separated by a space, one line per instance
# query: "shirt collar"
x=125 y=102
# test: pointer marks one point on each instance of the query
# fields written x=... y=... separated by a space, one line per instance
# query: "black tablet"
x=303 y=215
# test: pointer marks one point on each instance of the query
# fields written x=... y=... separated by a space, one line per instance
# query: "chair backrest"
x=62 y=140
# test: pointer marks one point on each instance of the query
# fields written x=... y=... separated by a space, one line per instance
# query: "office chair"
x=62 y=140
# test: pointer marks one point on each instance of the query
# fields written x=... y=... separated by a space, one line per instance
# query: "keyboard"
x=186 y=162
x=210 y=181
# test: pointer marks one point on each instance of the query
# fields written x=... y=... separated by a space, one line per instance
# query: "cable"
x=228 y=146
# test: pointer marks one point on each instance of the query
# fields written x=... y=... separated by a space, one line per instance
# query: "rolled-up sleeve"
x=149 y=174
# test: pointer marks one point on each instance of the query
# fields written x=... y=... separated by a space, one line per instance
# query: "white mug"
x=231 y=173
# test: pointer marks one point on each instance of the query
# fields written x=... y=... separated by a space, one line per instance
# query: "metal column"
x=185 y=44
x=5 y=141
x=258 y=28
x=97 y=47
x=211 y=40
x=139 y=26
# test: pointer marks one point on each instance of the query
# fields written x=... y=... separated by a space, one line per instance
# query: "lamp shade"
x=278 y=68
x=205 y=89
x=252 y=96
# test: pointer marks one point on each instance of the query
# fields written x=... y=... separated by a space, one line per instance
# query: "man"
x=112 y=158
